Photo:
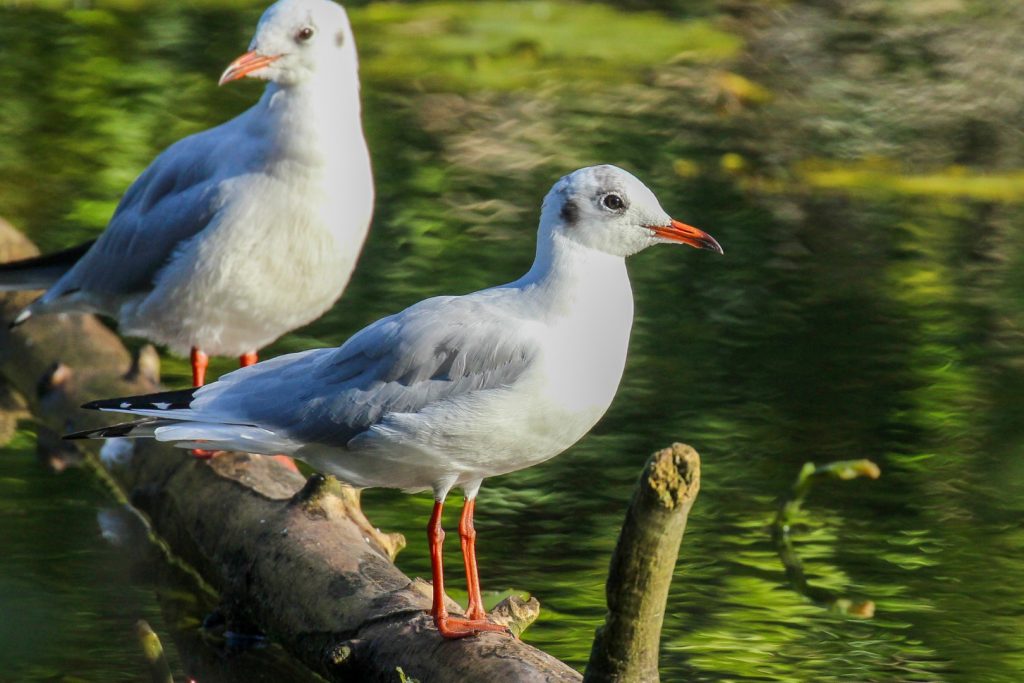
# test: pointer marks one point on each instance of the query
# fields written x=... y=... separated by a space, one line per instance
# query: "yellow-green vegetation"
x=153 y=652
x=126 y=5
x=883 y=177
x=403 y=677
x=509 y=45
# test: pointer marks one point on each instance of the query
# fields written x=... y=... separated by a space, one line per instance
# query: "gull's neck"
x=316 y=121
x=568 y=278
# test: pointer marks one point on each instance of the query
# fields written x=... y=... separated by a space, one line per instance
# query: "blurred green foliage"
x=501 y=46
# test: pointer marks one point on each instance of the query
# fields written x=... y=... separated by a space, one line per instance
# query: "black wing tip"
x=113 y=431
x=166 y=400
x=105 y=403
x=84 y=434
x=21 y=317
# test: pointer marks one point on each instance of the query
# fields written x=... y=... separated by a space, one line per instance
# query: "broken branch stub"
x=625 y=648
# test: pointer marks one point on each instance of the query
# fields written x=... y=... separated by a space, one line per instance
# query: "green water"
x=862 y=163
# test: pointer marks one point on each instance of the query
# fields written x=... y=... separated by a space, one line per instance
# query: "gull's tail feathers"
x=169 y=418
x=40 y=272
x=188 y=434
x=124 y=430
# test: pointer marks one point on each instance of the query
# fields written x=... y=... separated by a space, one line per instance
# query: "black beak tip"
x=713 y=245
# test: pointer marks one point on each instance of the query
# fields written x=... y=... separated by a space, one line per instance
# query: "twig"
x=790 y=507
x=153 y=651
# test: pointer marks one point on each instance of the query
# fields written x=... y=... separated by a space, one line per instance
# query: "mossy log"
x=626 y=647
x=296 y=558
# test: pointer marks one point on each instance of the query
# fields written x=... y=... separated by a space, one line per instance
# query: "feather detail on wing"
x=437 y=350
x=173 y=200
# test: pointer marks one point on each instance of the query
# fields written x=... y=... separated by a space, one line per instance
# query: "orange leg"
x=199 y=363
x=244 y=361
x=467 y=534
x=448 y=626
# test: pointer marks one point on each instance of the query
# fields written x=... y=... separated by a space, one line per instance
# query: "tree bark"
x=297 y=558
x=626 y=647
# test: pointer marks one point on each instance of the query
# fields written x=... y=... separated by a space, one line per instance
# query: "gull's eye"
x=613 y=202
x=304 y=34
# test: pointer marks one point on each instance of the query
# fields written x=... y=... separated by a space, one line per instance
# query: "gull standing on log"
x=236 y=235
x=455 y=388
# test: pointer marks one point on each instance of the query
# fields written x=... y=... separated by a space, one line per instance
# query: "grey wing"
x=174 y=199
x=438 y=350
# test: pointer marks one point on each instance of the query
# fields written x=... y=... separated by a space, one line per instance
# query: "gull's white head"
x=606 y=208
x=294 y=41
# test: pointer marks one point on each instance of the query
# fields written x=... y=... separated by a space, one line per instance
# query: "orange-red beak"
x=687 y=234
x=245 y=65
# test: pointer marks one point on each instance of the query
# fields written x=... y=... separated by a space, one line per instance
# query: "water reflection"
x=868 y=306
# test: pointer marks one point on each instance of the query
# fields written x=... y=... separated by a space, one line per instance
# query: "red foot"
x=203 y=454
x=455 y=628
x=452 y=628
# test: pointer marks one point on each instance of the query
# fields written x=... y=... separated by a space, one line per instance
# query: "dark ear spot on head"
x=570 y=212
x=339 y=39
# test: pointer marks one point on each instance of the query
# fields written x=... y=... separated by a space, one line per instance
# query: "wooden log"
x=625 y=648
x=295 y=557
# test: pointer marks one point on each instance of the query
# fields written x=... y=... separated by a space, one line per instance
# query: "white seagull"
x=455 y=388
x=236 y=235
